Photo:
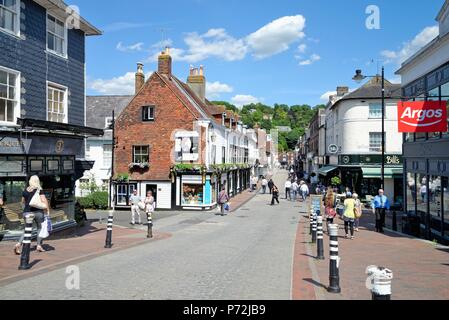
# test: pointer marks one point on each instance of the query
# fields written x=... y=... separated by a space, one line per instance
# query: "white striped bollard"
x=319 y=237
x=379 y=282
x=334 y=277
x=25 y=255
x=108 y=244
x=311 y=221
x=150 y=225
x=314 y=226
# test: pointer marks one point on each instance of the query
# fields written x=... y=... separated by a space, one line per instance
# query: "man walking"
x=288 y=185
x=379 y=205
x=304 y=189
x=134 y=199
x=270 y=185
x=294 y=190
x=264 y=185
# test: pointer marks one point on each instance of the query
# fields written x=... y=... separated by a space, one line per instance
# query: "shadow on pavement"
x=316 y=283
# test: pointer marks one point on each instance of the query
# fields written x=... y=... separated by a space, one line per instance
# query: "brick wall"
x=28 y=55
x=170 y=114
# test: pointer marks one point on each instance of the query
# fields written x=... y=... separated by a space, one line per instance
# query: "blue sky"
x=283 y=51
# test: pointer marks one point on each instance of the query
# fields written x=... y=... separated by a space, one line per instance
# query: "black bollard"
x=150 y=225
x=311 y=221
x=395 y=224
x=108 y=244
x=314 y=226
x=26 y=247
x=334 y=278
x=379 y=282
x=319 y=236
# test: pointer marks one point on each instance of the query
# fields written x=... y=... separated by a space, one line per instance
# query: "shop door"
x=153 y=189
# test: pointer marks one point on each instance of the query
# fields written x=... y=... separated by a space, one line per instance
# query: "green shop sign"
x=391 y=159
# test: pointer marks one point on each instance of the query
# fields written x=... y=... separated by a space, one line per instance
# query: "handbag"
x=141 y=205
x=43 y=234
x=36 y=201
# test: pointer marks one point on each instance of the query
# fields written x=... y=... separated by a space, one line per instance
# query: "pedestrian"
x=294 y=190
x=134 y=199
x=255 y=182
x=349 y=216
x=379 y=205
x=304 y=189
x=223 y=198
x=270 y=185
x=357 y=211
x=288 y=185
x=348 y=192
x=251 y=184
x=264 y=185
x=149 y=203
x=330 y=202
x=275 y=196
x=423 y=191
x=34 y=185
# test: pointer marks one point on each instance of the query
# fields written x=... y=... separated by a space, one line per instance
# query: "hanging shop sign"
x=422 y=116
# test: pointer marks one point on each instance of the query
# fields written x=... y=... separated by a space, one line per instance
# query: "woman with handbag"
x=330 y=202
x=358 y=211
x=35 y=202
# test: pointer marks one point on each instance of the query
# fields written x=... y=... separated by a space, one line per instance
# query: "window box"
x=144 y=165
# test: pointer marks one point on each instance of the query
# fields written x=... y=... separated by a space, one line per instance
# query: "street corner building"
x=425 y=77
x=172 y=141
x=42 y=107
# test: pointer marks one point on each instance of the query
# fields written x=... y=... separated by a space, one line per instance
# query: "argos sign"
x=422 y=116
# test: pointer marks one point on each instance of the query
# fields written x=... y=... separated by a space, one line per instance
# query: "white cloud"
x=313 y=58
x=411 y=47
x=214 y=89
x=271 y=39
x=326 y=95
x=241 y=100
x=134 y=47
x=302 y=48
x=276 y=36
x=122 y=85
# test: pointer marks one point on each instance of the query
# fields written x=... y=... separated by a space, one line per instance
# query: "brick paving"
x=420 y=268
x=84 y=244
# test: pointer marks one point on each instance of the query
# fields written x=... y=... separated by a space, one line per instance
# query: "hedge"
x=96 y=200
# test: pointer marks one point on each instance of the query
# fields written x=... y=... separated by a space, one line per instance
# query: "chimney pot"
x=165 y=63
x=341 y=91
x=140 y=77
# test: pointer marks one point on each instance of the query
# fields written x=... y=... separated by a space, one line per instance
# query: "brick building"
x=174 y=142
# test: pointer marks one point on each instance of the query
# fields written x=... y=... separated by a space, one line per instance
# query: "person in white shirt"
x=264 y=185
x=294 y=190
x=134 y=199
x=304 y=191
x=288 y=185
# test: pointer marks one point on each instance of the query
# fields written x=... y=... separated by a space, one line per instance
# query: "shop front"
x=51 y=157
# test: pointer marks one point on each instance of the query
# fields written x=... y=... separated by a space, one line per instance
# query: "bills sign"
x=422 y=116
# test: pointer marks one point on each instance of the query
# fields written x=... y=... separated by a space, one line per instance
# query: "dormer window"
x=148 y=113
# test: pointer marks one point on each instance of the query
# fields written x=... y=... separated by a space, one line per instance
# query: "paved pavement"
x=420 y=268
x=245 y=255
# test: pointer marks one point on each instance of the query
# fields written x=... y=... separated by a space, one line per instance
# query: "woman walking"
x=330 y=202
x=275 y=195
x=357 y=211
x=34 y=185
x=349 y=216
x=149 y=203
x=223 y=198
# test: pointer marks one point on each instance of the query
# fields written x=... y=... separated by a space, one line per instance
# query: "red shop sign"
x=422 y=116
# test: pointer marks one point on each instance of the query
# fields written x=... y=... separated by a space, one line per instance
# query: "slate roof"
x=98 y=108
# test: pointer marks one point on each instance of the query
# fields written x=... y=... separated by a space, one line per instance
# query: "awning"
x=324 y=171
x=374 y=173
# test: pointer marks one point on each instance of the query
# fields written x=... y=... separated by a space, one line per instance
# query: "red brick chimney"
x=140 y=77
x=164 y=65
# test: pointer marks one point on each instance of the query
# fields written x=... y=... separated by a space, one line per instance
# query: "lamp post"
x=358 y=78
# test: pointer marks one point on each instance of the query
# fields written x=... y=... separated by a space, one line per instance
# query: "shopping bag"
x=49 y=225
x=36 y=201
x=141 y=205
x=43 y=234
x=227 y=207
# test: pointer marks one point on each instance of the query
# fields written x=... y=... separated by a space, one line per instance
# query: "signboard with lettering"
x=356 y=159
x=13 y=145
x=333 y=149
x=422 y=116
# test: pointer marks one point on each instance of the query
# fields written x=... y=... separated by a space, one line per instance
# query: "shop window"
x=53 y=165
x=445 y=190
x=411 y=192
x=10 y=16
x=57 y=103
x=422 y=195
x=141 y=154
x=435 y=196
x=192 y=194
x=9 y=95
x=68 y=165
x=56 y=36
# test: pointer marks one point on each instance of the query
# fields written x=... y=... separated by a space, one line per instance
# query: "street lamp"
x=359 y=77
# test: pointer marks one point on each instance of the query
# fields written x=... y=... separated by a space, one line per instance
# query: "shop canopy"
x=324 y=171
x=374 y=173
